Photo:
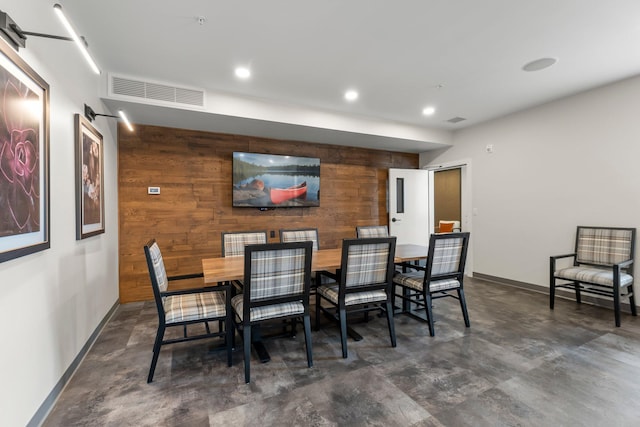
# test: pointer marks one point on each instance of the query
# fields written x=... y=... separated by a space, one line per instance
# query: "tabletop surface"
x=232 y=268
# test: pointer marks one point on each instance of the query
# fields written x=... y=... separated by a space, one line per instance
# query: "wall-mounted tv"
x=269 y=181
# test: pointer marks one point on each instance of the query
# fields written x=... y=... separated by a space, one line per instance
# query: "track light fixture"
x=17 y=38
x=91 y=115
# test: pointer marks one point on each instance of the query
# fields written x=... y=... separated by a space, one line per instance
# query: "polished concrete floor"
x=519 y=364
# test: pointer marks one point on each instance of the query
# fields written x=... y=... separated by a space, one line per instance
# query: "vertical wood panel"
x=193 y=171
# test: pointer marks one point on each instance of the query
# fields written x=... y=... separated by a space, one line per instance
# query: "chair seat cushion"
x=592 y=275
x=330 y=292
x=414 y=281
x=268 y=311
x=196 y=306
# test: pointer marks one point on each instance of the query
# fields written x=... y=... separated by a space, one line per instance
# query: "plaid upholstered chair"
x=186 y=308
x=602 y=265
x=368 y=231
x=442 y=276
x=277 y=279
x=301 y=235
x=364 y=284
x=233 y=243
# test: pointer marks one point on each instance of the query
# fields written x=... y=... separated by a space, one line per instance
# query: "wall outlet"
x=489 y=148
x=153 y=190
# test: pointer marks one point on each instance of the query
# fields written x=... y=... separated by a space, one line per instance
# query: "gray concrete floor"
x=520 y=364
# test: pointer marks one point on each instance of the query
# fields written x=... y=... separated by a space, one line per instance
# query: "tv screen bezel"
x=265 y=203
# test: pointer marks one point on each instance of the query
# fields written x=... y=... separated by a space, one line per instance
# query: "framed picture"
x=89 y=180
x=24 y=158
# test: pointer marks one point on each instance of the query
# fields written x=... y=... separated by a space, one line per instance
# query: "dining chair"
x=277 y=278
x=372 y=231
x=186 y=308
x=233 y=243
x=364 y=284
x=441 y=277
x=301 y=235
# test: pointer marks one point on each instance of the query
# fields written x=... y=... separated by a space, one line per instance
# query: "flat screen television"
x=270 y=181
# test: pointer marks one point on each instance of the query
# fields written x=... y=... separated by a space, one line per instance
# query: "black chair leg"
x=246 y=332
x=343 y=331
x=552 y=282
x=463 y=306
x=576 y=285
x=632 y=301
x=156 y=352
x=307 y=339
x=616 y=303
x=230 y=338
x=427 y=303
x=318 y=309
x=392 y=329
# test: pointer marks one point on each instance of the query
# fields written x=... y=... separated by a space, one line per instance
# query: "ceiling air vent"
x=456 y=120
x=165 y=93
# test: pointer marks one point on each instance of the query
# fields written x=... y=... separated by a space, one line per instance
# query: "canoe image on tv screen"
x=269 y=181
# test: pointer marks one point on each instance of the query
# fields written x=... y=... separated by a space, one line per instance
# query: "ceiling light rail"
x=17 y=38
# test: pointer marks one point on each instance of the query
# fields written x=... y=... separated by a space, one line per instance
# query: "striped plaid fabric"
x=330 y=292
x=367 y=264
x=446 y=256
x=158 y=267
x=234 y=243
x=197 y=306
x=277 y=273
x=267 y=311
x=300 y=236
x=373 y=231
x=603 y=246
x=414 y=281
x=592 y=275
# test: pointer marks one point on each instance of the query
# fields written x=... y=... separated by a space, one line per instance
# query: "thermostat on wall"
x=153 y=190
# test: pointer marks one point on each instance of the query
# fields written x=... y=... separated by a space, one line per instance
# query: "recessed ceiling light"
x=428 y=111
x=243 y=73
x=539 y=64
x=351 y=95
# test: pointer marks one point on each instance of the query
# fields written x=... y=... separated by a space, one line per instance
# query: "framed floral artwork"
x=24 y=158
x=89 y=180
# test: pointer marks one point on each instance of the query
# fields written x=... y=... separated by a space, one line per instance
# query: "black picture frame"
x=89 y=179
x=24 y=158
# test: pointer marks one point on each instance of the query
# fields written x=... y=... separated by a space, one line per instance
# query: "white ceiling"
x=464 y=57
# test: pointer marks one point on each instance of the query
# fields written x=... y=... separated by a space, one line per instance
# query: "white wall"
x=566 y=163
x=51 y=301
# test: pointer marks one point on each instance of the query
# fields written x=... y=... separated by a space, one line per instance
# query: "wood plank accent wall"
x=193 y=171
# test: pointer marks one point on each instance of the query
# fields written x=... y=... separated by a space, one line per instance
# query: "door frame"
x=466 y=208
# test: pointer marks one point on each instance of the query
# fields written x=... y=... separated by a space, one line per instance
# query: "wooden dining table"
x=229 y=269
x=224 y=269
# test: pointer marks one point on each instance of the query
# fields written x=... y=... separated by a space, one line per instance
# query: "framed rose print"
x=24 y=158
x=89 y=180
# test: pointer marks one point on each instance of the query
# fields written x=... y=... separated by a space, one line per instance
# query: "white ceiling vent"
x=158 y=93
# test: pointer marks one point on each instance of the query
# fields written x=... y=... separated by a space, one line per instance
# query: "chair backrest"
x=447 y=255
x=445 y=226
x=157 y=273
x=301 y=235
x=367 y=262
x=276 y=273
x=604 y=246
x=233 y=243
x=372 y=231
